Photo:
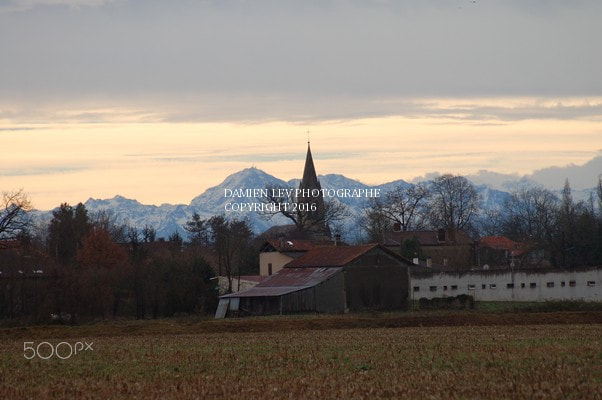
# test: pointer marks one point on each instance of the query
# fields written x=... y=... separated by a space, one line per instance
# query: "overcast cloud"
x=294 y=60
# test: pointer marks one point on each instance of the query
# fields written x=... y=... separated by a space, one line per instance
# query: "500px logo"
x=46 y=350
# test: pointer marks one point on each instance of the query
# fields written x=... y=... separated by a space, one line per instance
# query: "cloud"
x=256 y=109
x=42 y=170
x=253 y=54
x=24 y=5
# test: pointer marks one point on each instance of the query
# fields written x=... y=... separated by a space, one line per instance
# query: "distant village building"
x=328 y=279
x=303 y=271
x=500 y=251
x=274 y=254
x=449 y=248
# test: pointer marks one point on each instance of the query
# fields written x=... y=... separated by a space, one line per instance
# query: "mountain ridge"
x=169 y=218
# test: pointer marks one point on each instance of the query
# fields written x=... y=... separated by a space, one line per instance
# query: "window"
x=550 y=284
x=510 y=286
x=533 y=285
x=433 y=288
x=563 y=283
x=493 y=286
x=572 y=283
x=445 y=287
x=471 y=287
x=483 y=286
x=522 y=285
x=454 y=287
x=591 y=283
x=269 y=268
x=416 y=288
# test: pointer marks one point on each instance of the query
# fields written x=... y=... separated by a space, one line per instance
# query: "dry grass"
x=514 y=361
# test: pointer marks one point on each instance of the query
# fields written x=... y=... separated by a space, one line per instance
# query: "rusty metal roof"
x=299 y=277
x=264 y=292
x=288 y=281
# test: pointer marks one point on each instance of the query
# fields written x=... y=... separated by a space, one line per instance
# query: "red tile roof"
x=298 y=277
x=336 y=256
x=504 y=243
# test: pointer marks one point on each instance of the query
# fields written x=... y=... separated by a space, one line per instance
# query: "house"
x=449 y=248
x=275 y=253
x=328 y=279
x=497 y=251
x=500 y=251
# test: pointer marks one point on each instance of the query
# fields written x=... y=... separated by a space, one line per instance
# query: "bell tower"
x=311 y=201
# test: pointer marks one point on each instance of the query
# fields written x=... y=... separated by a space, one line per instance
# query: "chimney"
x=337 y=239
x=396 y=227
x=281 y=240
x=441 y=235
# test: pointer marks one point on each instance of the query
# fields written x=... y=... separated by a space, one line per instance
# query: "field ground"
x=435 y=355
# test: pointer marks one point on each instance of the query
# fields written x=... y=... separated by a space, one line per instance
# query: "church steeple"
x=310 y=178
x=313 y=212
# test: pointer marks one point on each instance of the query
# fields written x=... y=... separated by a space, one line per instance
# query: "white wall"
x=222 y=284
x=578 y=285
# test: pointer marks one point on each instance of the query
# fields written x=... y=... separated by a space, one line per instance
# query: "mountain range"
x=169 y=218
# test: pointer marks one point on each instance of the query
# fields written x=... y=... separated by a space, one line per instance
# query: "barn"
x=332 y=279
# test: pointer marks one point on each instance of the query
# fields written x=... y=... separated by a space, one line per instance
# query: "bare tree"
x=373 y=220
x=231 y=239
x=406 y=206
x=149 y=234
x=531 y=214
x=106 y=219
x=490 y=222
x=454 y=202
x=13 y=215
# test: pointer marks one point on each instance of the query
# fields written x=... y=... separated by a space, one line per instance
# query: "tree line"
x=93 y=266
x=566 y=231
x=83 y=266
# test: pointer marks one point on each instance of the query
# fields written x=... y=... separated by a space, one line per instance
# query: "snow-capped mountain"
x=169 y=218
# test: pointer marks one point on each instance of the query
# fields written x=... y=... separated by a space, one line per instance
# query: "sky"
x=159 y=100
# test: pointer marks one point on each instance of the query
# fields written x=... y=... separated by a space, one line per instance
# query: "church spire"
x=310 y=178
x=311 y=201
